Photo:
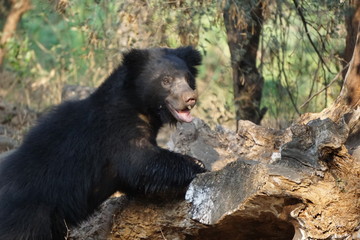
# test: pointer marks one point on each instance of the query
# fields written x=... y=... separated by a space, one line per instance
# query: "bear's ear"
x=191 y=56
x=134 y=61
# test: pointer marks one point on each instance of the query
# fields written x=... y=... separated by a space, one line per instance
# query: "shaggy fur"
x=84 y=151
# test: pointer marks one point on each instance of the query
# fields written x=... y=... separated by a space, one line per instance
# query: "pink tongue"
x=185 y=116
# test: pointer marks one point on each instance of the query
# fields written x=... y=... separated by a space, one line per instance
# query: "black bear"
x=83 y=151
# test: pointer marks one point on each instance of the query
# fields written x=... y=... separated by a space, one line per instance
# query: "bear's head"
x=164 y=81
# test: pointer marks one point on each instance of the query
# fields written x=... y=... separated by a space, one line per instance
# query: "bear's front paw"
x=199 y=163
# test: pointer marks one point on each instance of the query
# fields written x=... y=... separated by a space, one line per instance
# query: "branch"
x=281 y=67
x=307 y=33
x=326 y=87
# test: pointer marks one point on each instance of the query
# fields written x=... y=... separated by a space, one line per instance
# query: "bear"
x=83 y=151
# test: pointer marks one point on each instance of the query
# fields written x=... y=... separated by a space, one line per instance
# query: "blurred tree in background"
x=243 y=22
x=258 y=54
x=352 y=19
x=13 y=10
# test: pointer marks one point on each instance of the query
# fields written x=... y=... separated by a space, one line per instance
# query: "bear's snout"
x=189 y=98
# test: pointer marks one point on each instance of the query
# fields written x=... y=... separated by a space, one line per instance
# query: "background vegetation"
x=80 y=42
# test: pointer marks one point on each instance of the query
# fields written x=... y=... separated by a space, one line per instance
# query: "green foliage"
x=19 y=56
x=292 y=69
x=83 y=45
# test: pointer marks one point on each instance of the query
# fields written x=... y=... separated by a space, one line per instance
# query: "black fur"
x=83 y=151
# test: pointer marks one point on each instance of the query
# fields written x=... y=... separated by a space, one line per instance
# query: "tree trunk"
x=352 y=19
x=18 y=8
x=300 y=183
x=243 y=22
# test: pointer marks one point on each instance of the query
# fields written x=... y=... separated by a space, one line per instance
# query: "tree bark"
x=350 y=92
x=352 y=19
x=18 y=8
x=243 y=22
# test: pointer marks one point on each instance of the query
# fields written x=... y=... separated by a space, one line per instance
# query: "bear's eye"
x=166 y=80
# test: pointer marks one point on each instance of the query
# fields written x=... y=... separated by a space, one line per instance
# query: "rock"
x=6 y=143
x=74 y=92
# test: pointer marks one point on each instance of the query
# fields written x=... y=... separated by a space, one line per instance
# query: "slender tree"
x=243 y=21
x=18 y=8
x=352 y=19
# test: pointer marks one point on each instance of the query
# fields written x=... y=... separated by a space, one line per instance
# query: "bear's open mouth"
x=181 y=115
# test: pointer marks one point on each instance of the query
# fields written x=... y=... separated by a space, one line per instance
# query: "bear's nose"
x=190 y=98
